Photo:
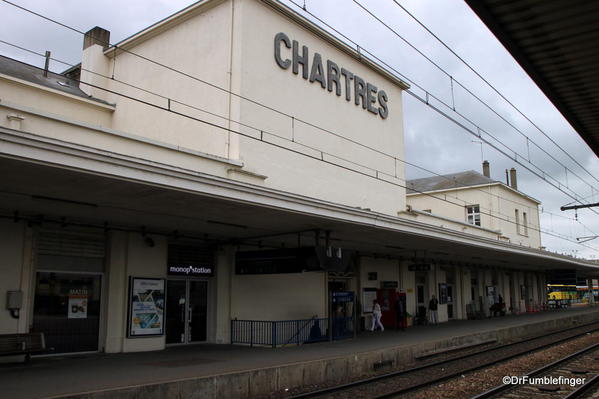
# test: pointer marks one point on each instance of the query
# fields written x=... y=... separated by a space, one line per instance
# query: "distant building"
x=489 y=208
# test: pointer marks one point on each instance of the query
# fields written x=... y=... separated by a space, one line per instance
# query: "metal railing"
x=289 y=332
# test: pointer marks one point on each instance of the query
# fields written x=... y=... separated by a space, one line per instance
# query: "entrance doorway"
x=186 y=311
x=67 y=310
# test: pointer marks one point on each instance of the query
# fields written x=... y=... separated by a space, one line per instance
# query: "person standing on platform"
x=376 y=316
x=432 y=307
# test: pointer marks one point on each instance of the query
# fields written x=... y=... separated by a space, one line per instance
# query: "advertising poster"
x=368 y=296
x=443 y=294
x=146 y=307
x=77 y=304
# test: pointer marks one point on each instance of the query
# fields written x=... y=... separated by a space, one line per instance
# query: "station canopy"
x=556 y=42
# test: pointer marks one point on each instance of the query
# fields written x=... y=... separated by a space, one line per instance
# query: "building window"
x=524 y=224
x=473 y=214
x=517 y=222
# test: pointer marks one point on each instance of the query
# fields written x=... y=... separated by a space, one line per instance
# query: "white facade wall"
x=264 y=81
x=272 y=297
x=236 y=53
x=198 y=47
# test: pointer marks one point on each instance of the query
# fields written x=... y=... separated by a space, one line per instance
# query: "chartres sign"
x=331 y=76
x=189 y=270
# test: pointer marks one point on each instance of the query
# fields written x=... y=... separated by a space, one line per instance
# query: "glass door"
x=186 y=311
x=198 y=311
x=176 y=300
x=67 y=310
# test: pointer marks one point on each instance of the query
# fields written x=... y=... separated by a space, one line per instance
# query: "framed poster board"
x=443 y=294
x=146 y=307
x=368 y=297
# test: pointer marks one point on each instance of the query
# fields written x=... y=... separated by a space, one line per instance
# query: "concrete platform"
x=227 y=371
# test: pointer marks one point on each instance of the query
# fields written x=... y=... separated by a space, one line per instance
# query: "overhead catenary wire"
x=428 y=95
x=503 y=118
x=170 y=101
x=495 y=216
x=518 y=110
x=541 y=174
x=302 y=153
x=377 y=176
x=174 y=101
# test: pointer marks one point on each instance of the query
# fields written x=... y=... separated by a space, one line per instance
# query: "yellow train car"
x=561 y=292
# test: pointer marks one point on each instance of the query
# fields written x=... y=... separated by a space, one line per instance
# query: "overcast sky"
x=430 y=140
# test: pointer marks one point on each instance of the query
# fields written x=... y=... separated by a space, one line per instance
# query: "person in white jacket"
x=376 y=316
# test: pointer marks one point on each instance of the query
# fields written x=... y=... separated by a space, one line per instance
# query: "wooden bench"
x=22 y=344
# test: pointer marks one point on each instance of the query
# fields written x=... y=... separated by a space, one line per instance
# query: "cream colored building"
x=231 y=162
x=475 y=203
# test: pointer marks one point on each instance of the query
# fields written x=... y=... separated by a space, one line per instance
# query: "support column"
x=225 y=264
x=535 y=291
x=116 y=290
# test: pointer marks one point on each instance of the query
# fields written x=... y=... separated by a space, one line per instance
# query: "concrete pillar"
x=487 y=301
x=506 y=291
x=408 y=283
x=438 y=277
x=465 y=293
x=542 y=288
x=591 y=292
x=15 y=275
x=116 y=292
x=145 y=261
x=535 y=290
x=458 y=300
x=225 y=267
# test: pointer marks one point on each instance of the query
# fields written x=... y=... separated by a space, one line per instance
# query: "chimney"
x=513 y=180
x=486 y=170
x=94 y=64
x=98 y=36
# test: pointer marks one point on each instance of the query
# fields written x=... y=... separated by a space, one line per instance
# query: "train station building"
x=232 y=165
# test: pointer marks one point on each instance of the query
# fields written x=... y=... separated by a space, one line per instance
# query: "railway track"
x=406 y=381
x=555 y=380
x=585 y=390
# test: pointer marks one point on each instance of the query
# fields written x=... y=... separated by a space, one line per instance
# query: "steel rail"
x=366 y=381
x=505 y=387
x=583 y=389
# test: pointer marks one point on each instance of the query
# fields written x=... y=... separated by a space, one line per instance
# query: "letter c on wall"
x=281 y=37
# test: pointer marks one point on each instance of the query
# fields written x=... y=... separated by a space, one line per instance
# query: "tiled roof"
x=446 y=182
x=33 y=74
